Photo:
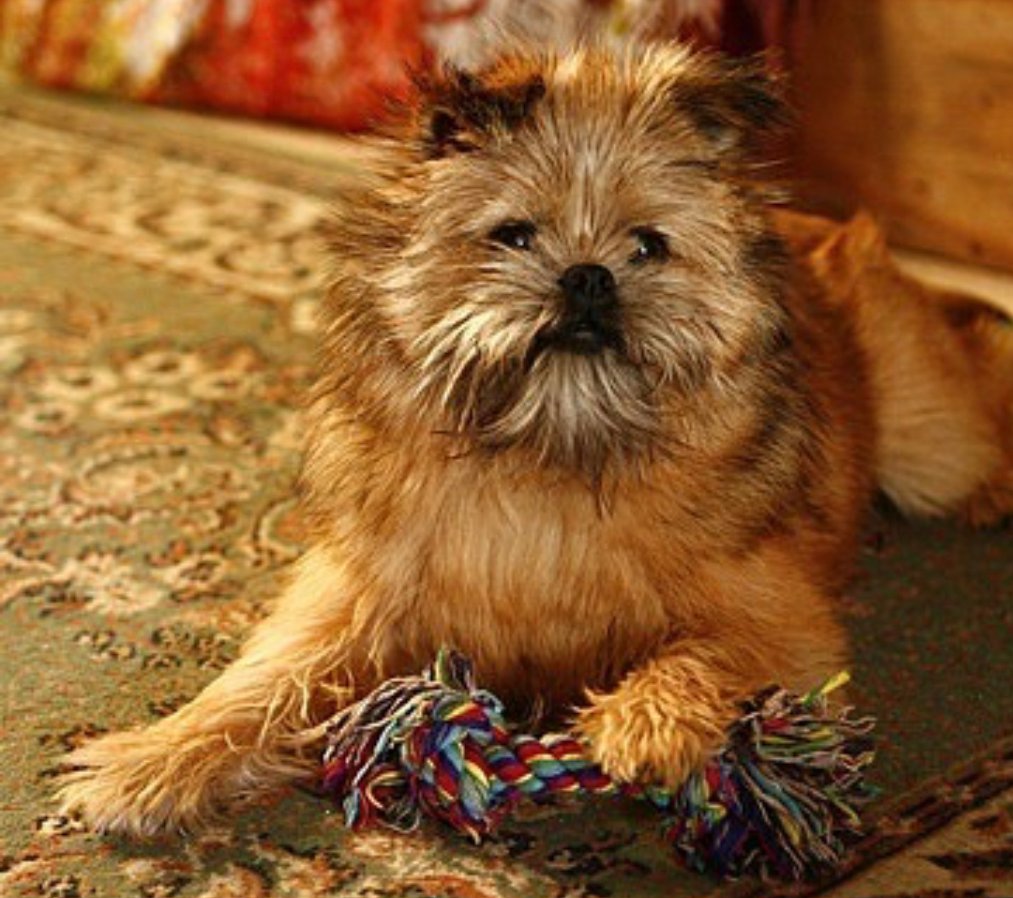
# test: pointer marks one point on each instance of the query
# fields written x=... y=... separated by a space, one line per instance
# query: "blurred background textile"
x=329 y=62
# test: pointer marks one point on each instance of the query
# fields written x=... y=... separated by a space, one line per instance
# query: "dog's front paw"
x=653 y=729
x=137 y=784
x=637 y=744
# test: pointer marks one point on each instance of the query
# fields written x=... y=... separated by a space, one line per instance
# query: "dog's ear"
x=461 y=111
x=732 y=103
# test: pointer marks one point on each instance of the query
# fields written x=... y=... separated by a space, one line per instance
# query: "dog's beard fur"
x=571 y=409
x=588 y=149
x=491 y=368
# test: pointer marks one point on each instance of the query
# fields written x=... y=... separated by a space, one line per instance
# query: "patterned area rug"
x=156 y=314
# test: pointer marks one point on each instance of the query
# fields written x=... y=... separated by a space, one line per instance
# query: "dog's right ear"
x=461 y=111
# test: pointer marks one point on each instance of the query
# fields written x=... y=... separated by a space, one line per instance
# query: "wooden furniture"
x=907 y=108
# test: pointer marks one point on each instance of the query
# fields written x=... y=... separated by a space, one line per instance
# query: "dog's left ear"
x=732 y=103
x=461 y=112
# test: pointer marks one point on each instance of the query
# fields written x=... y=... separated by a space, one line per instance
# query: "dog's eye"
x=651 y=246
x=514 y=234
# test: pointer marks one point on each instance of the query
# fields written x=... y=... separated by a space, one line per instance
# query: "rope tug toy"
x=779 y=799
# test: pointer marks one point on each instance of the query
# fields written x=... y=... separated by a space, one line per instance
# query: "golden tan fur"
x=646 y=532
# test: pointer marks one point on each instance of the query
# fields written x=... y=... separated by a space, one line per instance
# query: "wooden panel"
x=907 y=107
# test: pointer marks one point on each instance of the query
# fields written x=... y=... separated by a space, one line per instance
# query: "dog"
x=595 y=411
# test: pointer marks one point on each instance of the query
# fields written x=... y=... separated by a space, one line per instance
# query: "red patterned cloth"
x=330 y=62
x=333 y=62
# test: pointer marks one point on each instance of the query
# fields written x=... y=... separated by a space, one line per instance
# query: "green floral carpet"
x=156 y=330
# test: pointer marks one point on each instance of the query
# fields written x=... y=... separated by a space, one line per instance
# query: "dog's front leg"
x=759 y=625
x=255 y=727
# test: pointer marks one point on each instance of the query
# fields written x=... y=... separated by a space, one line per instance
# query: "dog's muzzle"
x=590 y=320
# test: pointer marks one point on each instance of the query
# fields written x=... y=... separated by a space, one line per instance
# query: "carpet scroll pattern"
x=156 y=333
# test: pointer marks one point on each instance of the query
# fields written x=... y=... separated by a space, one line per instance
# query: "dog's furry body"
x=645 y=515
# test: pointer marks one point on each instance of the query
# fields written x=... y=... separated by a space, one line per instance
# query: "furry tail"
x=941 y=373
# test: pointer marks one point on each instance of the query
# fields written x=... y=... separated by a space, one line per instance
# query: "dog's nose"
x=588 y=289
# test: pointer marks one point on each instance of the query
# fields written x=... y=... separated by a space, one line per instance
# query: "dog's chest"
x=533 y=583
x=514 y=546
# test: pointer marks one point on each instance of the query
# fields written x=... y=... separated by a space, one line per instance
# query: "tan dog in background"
x=592 y=413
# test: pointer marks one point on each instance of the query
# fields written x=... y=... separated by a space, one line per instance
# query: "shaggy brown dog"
x=593 y=414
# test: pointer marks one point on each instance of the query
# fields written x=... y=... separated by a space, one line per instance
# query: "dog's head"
x=566 y=249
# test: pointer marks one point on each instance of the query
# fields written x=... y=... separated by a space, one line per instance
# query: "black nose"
x=589 y=290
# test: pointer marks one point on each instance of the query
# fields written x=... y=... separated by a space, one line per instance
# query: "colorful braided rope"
x=779 y=800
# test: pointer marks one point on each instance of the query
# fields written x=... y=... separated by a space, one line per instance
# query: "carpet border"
x=899 y=822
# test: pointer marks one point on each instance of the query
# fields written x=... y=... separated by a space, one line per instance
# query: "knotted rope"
x=779 y=799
